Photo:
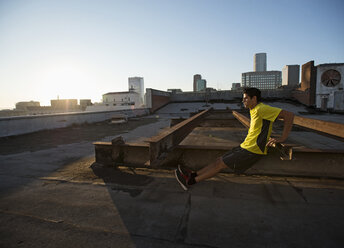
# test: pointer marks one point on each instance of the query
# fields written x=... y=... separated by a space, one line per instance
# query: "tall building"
x=259 y=62
x=136 y=84
x=195 y=78
x=291 y=75
x=261 y=78
x=201 y=85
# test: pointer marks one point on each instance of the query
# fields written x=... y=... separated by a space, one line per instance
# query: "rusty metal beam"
x=243 y=119
x=327 y=127
x=164 y=142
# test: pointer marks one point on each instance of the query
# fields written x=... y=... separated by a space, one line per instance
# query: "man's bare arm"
x=288 y=118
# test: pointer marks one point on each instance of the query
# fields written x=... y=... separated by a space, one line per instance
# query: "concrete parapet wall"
x=227 y=95
x=27 y=124
x=156 y=99
x=303 y=97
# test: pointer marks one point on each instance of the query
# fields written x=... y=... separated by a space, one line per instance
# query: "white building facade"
x=127 y=98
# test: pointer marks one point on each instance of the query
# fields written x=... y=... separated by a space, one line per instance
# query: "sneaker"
x=182 y=179
x=185 y=171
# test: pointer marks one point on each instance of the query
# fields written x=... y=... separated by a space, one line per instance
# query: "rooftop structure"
x=322 y=86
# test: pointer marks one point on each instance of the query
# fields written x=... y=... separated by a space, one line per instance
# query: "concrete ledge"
x=27 y=124
x=305 y=163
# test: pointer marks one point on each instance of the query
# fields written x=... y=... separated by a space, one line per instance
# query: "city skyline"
x=83 y=49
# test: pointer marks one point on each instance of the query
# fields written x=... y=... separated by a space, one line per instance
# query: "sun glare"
x=66 y=80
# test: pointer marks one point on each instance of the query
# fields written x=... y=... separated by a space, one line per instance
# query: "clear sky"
x=82 y=49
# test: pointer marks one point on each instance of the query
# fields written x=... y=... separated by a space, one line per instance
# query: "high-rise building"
x=291 y=75
x=195 y=78
x=201 y=85
x=136 y=84
x=259 y=62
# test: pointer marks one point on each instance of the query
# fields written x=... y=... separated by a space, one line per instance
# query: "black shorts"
x=239 y=159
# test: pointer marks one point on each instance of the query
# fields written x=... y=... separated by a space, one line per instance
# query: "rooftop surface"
x=53 y=194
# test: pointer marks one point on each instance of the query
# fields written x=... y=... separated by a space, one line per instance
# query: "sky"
x=82 y=49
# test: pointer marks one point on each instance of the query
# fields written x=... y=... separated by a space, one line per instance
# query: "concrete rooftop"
x=53 y=194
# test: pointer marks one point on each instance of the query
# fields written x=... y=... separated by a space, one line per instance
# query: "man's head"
x=251 y=97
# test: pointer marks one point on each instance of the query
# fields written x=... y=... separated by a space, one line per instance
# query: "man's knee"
x=220 y=164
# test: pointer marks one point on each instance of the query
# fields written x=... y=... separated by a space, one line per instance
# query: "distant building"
x=262 y=80
x=64 y=104
x=127 y=98
x=201 y=85
x=133 y=98
x=84 y=103
x=259 y=62
x=291 y=75
x=136 y=84
x=25 y=105
x=195 y=79
x=210 y=89
x=236 y=86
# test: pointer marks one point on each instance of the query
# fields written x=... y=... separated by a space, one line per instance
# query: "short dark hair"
x=251 y=92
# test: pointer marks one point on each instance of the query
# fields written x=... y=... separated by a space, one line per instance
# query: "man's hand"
x=288 y=118
x=272 y=141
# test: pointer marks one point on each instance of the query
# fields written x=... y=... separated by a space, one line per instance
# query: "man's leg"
x=210 y=170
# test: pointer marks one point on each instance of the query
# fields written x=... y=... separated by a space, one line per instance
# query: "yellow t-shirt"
x=262 y=117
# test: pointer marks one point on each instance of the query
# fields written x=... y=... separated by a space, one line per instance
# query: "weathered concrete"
x=145 y=208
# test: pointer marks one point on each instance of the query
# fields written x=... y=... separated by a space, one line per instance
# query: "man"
x=240 y=158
